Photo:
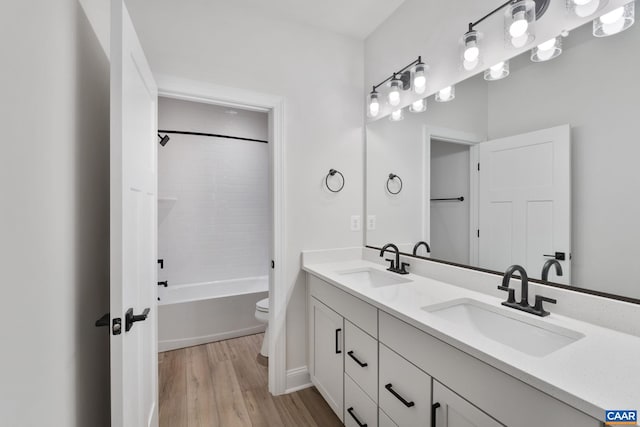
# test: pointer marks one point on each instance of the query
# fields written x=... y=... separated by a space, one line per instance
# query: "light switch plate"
x=355 y=223
x=371 y=222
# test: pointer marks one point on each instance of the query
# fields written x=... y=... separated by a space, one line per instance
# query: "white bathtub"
x=199 y=313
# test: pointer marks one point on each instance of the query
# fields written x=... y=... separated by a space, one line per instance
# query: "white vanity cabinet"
x=394 y=374
x=327 y=344
x=450 y=410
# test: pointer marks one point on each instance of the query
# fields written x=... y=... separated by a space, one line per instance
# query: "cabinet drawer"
x=361 y=314
x=404 y=390
x=384 y=420
x=359 y=409
x=361 y=349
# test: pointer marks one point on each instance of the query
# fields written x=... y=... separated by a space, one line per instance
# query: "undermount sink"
x=530 y=336
x=372 y=277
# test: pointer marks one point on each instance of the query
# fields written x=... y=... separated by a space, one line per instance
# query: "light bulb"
x=396 y=115
x=496 y=70
x=616 y=21
x=613 y=16
x=471 y=53
x=584 y=8
x=548 y=45
x=519 y=26
x=418 y=106
x=445 y=94
x=547 y=50
x=419 y=78
x=394 y=93
x=374 y=107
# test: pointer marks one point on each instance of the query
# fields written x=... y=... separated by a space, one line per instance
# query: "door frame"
x=455 y=137
x=207 y=93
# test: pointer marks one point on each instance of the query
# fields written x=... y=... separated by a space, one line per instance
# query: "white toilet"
x=262 y=315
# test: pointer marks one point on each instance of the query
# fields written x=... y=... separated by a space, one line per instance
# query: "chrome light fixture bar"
x=399 y=81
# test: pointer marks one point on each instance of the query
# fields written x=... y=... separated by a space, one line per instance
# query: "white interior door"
x=134 y=375
x=525 y=201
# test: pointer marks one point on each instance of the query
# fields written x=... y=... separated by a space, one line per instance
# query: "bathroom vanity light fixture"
x=412 y=75
x=396 y=115
x=616 y=21
x=373 y=104
x=470 y=49
x=584 y=8
x=548 y=50
x=418 y=106
x=497 y=72
x=446 y=94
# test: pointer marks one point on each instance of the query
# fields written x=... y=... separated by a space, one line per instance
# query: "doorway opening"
x=450 y=204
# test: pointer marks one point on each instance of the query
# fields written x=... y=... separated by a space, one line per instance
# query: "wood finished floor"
x=222 y=384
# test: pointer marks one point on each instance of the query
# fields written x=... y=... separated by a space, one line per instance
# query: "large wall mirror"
x=540 y=165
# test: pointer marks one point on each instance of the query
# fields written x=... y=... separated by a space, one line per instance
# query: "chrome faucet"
x=396 y=266
x=523 y=305
x=547 y=266
x=417 y=246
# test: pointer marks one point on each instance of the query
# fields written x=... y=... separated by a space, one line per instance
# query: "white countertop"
x=599 y=371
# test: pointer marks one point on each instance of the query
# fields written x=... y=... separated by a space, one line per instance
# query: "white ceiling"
x=355 y=18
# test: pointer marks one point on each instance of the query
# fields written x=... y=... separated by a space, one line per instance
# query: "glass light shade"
x=396 y=115
x=446 y=94
x=614 y=22
x=418 y=106
x=519 y=20
x=394 y=92
x=497 y=71
x=584 y=8
x=470 y=50
x=420 y=78
x=374 y=105
x=548 y=50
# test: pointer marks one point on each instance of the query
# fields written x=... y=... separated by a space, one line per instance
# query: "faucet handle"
x=403 y=267
x=538 y=309
x=512 y=293
x=393 y=264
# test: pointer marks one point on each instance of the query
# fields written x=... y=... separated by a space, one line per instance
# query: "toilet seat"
x=263 y=305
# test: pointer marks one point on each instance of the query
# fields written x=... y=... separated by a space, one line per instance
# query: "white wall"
x=54 y=220
x=213 y=210
x=594 y=87
x=450 y=219
x=320 y=76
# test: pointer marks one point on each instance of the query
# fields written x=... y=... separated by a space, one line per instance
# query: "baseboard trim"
x=168 y=345
x=298 y=379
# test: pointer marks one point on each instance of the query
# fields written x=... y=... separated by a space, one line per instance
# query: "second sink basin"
x=531 y=336
x=372 y=277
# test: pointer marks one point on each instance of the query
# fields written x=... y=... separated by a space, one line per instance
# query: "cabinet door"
x=450 y=410
x=328 y=345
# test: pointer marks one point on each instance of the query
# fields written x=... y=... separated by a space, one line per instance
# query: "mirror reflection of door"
x=525 y=202
x=449 y=219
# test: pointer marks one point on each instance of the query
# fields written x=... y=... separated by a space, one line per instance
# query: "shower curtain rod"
x=214 y=135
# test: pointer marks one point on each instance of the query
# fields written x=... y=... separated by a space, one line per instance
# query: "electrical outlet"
x=371 y=222
x=355 y=223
